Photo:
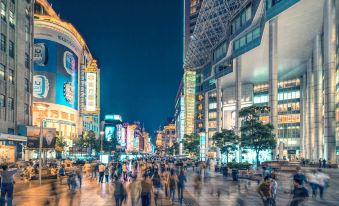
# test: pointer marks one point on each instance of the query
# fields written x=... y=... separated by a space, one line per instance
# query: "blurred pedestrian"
x=265 y=192
x=80 y=175
x=300 y=193
x=312 y=180
x=146 y=189
x=181 y=186
x=7 y=185
x=106 y=174
x=135 y=191
x=323 y=181
x=101 y=173
x=119 y=192
x=157 y=186
x=173 y=180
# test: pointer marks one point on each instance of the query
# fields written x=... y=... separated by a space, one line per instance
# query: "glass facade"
x=288 y=110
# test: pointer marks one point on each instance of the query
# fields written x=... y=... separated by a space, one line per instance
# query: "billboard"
x=33 y=137
x=55 y=77
x=109 y=132
x=91 y=92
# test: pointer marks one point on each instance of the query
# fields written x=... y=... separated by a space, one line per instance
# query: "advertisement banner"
x=55 y=77
x=109 y=132
x=33 y=137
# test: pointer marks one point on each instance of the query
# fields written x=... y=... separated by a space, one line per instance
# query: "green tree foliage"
x=192 y=144
x=173 y=150
x=60 y=144
x=254 y=134
x=227 y=141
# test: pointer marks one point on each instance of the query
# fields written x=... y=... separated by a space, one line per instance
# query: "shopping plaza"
x=277 y=53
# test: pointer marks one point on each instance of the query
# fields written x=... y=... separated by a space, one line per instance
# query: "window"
x=11 y=49
x=26 y=109
x=242 y=41
x=10 y=103
x=212 y=105
x=212 y=115
x=3 y=43
x=2 y=100
x=2 y=72
x=26 y=85
x=248 y=13
x=3 y=10
x=249 y=37
x=26 y=60
x=11 y=76
x=256 y=33
x=11 y=18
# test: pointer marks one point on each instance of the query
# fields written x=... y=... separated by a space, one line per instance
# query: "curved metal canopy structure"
x=210 y=29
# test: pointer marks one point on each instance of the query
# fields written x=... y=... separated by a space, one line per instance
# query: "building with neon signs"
x=276 y=53
x=66 y=77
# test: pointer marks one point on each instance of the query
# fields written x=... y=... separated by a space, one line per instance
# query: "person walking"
x=181 y=185
x=322 y=179
x=62 y=173
x=106 y=174
x=7 y=185
x=119 y=192
x=173 y=180
x=146 y=189
x=265 y=191
x=165 y=180
x=101 y=173
x=312 y=180
x=324 y=163
x=135 y=191
x=80 y=175
x=274 y=188
x=157 y=186
x=300 y=193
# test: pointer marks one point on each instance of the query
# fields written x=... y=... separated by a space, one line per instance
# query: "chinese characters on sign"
x=91 y=92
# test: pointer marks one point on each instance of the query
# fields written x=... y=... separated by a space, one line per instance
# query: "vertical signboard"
x=91 y=80
x=202 y=146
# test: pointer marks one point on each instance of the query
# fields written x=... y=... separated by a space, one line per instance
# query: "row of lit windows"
x=251 y=36
x=212 y=115
x=3 y=9
x=281 y=85
x=289 y=95
x=241 y=19
x=260 y=99
x=283 y=119
x=212 y=124
x=212 y=105
x=289 y=107
x=10 y=74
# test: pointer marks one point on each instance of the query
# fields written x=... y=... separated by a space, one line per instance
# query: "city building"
x=66 y=76
x=16 y=39
x=277 y=53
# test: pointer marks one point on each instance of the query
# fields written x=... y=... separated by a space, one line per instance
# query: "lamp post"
x=102 y=133
x=41 y=108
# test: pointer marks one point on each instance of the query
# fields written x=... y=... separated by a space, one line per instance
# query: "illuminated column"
x=329 y=80
x=310 y=110
x=318 y=97
x=303 y=113
x=219 y=104
x=237 y=67
x=273 y=77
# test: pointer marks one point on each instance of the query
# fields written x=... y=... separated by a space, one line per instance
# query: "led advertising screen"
x=55 y=77
x=109 y=132
x=33 y=137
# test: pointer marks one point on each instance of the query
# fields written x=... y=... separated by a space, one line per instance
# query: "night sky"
x=138 y=44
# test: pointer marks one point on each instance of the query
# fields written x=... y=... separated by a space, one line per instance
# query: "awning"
x=11 y=137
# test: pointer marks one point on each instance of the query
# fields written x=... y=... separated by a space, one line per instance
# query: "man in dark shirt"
x=300 y=193
x=264 y=191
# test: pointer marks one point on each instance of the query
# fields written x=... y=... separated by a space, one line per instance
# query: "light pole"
x=41 y=108
x=102 y=133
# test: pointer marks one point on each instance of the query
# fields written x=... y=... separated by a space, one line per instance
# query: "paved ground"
x=231 y=193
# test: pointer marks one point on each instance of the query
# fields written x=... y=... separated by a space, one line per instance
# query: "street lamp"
x=102 y=133
x=41 y=108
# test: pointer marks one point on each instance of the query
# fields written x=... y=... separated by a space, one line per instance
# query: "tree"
x=89 y=141
x=60 y=144
x=173 y=150
x=254 y=134
x=227 y=141
x=192 y=144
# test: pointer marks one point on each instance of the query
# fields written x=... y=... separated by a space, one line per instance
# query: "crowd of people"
x=143 y=181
